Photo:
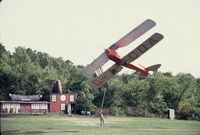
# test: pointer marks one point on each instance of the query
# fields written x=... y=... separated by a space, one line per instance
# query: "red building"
x=37 y=104
x=24 y=107
x=61 y=103
x=64 y=103
x=24 y=104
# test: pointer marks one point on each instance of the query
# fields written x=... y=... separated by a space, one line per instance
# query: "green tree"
x=188 y=88
x=198 y=92
x=134 y=97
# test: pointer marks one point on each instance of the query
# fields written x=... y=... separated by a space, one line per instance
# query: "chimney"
x=57 y=87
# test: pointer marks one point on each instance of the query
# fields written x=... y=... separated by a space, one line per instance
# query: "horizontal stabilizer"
x=154 y=67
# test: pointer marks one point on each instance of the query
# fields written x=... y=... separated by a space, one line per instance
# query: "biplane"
x=120 y=62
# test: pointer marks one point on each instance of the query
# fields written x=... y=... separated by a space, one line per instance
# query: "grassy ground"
x=81 y=125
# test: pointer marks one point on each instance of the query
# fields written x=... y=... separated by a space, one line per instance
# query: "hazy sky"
x=80 y=30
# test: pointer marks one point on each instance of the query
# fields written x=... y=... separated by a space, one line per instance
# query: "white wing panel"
x=107 y=75
x=134 y=34
x=96 y=64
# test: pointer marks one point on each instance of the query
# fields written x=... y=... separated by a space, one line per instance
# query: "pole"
x=102 y=103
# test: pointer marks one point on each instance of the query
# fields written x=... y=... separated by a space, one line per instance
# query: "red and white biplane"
x=111 y=54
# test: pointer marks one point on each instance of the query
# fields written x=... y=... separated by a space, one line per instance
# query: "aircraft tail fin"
x=154 y=67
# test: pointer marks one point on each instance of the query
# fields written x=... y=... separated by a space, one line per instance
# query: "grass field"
x=84 y=125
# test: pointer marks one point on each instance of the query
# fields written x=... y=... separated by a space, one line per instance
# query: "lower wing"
x=105 y=76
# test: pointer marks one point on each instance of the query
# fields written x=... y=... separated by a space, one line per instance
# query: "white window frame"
x=35 y=106
x=62 y=106
x=71 y=98
x=43 y=106
x=39 y=106
x=53 y=98
x=11 y=105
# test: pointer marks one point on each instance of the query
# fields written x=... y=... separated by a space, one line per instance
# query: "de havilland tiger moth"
x=121 y=62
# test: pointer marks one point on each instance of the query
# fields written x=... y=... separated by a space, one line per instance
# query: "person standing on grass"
x=102 y=122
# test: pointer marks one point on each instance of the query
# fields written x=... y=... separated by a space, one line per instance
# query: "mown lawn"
x=84 y=125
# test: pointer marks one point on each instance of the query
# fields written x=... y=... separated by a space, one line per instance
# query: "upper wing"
x=127 y=39
x=134 y=34
x=105 y=76
x=96 y=64
x=142 y=48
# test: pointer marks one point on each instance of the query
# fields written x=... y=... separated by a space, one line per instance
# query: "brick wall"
x=59 y=102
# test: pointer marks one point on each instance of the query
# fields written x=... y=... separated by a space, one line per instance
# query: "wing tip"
x=158 y=35
x=151 y=21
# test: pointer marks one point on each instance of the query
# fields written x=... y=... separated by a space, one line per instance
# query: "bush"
x=117 y=111
x=189 y=114
x=135 y=111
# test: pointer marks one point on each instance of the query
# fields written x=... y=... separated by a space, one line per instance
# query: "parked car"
x=83 y=112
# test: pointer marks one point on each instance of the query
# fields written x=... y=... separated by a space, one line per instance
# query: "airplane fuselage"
x=113 y=55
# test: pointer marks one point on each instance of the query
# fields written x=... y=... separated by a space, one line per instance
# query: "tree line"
x=27 y=71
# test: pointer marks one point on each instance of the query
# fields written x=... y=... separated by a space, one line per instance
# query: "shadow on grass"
x=19 y=132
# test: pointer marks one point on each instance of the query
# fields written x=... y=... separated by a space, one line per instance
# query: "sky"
x=80 y=30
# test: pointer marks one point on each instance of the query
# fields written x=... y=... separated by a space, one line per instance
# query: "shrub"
x=189 y=114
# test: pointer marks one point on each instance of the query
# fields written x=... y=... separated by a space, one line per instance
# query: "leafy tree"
x=28 y=71
x=188 y=88
x=198 y=92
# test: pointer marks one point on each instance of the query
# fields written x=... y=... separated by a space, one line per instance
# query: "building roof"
x=26 y=102
x=16 y=97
